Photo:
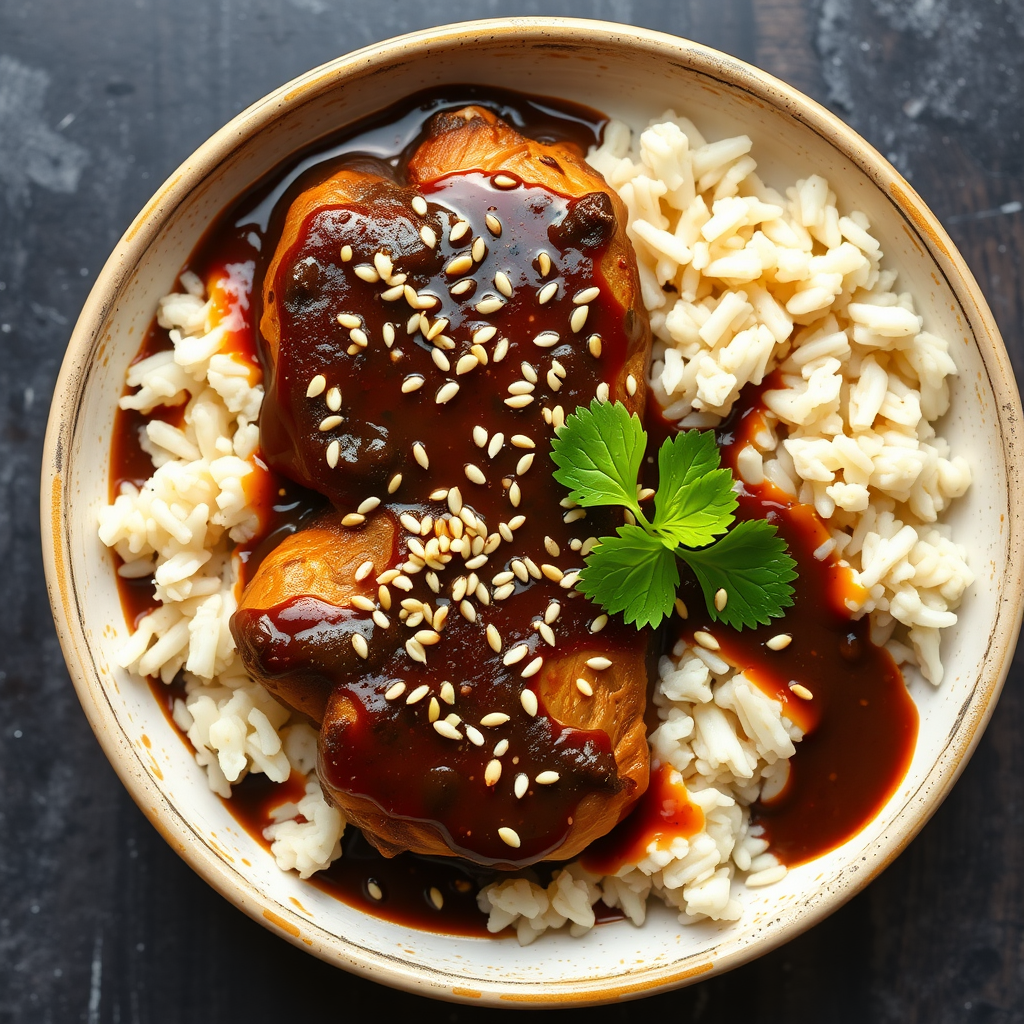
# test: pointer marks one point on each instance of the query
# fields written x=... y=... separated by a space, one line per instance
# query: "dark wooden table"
x=99 y=101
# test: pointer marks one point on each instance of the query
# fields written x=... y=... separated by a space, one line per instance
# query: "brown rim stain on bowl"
x=510 y=52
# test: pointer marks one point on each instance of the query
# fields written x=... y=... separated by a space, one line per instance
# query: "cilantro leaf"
x=753 y=567
x=695 y=500
x=598 y=453
x=633 y=573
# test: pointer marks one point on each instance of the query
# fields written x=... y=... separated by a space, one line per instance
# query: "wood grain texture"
x=99 y=101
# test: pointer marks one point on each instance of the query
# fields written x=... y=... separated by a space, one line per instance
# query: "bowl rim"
x=144 y=232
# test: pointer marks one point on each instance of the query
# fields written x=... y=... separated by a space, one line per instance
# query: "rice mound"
x=739 y=281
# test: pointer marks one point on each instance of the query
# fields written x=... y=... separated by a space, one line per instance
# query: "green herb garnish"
x=598 y=453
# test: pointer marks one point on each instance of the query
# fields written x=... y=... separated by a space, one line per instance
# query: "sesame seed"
x=381 y=619
x=494 y=639
x=388 y=330
x=599 y=664
x=364 y=570
x=779 y=641
x=403 y=583
x=427 y=637
x=349 y=320
x=494 y=719
x=504 y=591
x=474 y=736
x=594 y=345
x=459 y=265
x=479 y=250
x=446 y=393
x=466 y=363
x=548 y=292
x=706 y=640
x=546 y=339
x=492 y=773
x=515 y=495
x=316 y=386
x=367 y=273
x=484 y=334
x=479 y=436
x=602 y=392
x=547 y=633
x=436 y=898
x=333 y=399
x=544 y=262
x=448 y=731
x=554 y=382
x=552 y=611
x=497 y=443
x=599 y=623
x=519 y=401
x=477 y=562
x=346 y=253
x=439 y=326
x=585 y=296
x=574 y=514
x=584 y=687
x=395 y=691
x=416 y=650
x=500 y=350
x=578 y=318
x=645 y=493
x=394 y=483
x=367 y=506
x=480 y=352
x=551 y=546
x=447 y=692
x=384 y=596
x=524 y=464
x=681 y=609
x=515 y=655
x=333 y=453
x=362 y=603
x=521 y=785
x=475 y=474
x=463 y=286
x=330 y=422
x=631 y=385
x=516 y=521
x=410 y=522
x=382 y=264
x=420 y=455
x=372 y=887
x=428 y=236
x=547 y=778
x=503 y=284
x=504 y=181
x=552 y=572
x=531 y=670
x=419 y=205
x=520 y=387
x=493 y=224
x=509 y=836
x=801 y=691
x=501 y=748
x=490 y=304
x=359 y=645
x=392 y=294
x=721 y=598
x=468 y=611
x=440 y=360
x=458 y=231
x=412 y=383
x=353 y=519
x=568 y=581
x=434 y=710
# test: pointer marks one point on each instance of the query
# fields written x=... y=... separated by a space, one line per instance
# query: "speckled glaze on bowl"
x=635 y=75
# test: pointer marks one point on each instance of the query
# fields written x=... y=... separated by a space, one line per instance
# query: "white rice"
x=739 y=280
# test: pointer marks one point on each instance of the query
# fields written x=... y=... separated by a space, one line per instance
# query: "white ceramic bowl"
x=631 y=74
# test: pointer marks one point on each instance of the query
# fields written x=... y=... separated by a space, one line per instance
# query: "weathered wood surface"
x=99 y=101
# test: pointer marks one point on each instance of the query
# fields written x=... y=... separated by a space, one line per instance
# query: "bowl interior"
x=634 y=76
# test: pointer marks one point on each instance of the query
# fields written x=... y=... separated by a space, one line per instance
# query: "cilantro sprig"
x=598 y=453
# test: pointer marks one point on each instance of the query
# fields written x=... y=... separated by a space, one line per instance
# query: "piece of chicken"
x=445 y=676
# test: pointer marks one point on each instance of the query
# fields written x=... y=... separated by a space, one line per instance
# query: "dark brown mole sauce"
x=860 y=726
x=240 y=244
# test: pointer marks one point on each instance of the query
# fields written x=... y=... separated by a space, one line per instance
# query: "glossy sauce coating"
x=479 y=450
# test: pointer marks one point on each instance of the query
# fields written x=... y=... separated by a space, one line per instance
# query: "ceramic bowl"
x=635 y=75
